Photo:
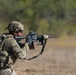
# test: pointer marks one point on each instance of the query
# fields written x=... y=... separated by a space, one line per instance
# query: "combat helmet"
x=15 y=26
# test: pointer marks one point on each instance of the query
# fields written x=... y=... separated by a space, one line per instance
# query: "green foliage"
x=2 y=28
x=56 y=17
x=43 y=26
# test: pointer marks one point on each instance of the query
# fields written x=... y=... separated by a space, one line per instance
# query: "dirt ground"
x=59 y=58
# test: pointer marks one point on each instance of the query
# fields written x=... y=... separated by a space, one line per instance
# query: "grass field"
x=59 y=58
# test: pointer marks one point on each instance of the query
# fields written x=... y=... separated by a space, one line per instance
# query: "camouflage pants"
x=8 y=71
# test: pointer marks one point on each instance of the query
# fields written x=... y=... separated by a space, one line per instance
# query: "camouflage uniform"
x=14 y=52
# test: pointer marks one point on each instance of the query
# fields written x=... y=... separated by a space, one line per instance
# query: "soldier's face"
x=18 y=33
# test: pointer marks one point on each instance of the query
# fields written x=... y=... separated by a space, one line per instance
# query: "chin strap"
x=42 y=50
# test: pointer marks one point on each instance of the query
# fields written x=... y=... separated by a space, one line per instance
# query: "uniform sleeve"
x=16 y=50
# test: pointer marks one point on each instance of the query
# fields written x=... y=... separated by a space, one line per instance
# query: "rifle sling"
x=42 y=50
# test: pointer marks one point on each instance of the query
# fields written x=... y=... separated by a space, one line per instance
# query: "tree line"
x=56 y=17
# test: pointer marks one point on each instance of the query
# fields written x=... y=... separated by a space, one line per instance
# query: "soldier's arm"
x=16 y=50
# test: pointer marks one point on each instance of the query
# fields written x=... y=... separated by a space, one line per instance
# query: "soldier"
x=12 y=48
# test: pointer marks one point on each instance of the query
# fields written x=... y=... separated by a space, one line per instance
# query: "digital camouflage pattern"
x=15 y=26
x=7 y=71
x=14 y=52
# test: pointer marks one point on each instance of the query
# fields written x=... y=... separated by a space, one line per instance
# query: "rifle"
x=33 y=37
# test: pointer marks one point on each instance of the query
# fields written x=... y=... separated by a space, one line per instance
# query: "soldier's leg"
x=13 y=72
x=8 y=71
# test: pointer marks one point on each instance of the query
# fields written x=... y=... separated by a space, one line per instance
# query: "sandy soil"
x=59 y=58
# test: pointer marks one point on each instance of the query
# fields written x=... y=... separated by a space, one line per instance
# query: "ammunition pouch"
x=3 y=59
